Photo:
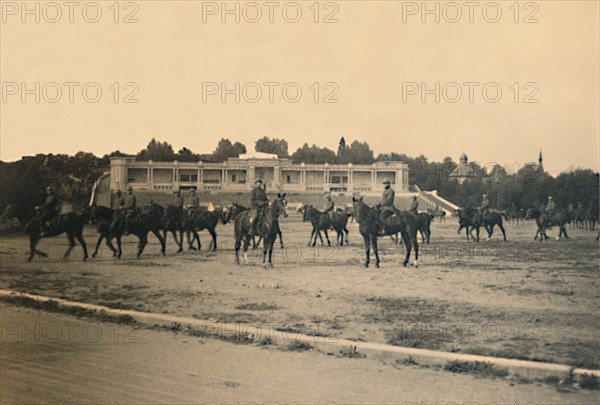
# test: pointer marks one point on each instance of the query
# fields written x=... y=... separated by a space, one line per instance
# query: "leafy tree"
x=157 y=151
x=274 y=145
x=225 y=149
x=313 y=154
x=186 y=155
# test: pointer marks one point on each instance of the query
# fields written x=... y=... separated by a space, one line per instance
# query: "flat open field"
x=519 y=299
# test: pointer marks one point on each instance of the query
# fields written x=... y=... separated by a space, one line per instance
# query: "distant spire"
x=540 y=162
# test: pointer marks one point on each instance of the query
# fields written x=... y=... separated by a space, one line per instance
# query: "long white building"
x=239 y=174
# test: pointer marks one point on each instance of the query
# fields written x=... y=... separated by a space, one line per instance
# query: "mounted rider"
x=386 y=205
x=48 y=212
x=329 y=207
x=258 y=202
x=124 y=206
x=414 y=204
x=550 y=206
x=194 y=203
x=485 y=205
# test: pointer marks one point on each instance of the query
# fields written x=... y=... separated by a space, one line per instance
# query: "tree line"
x=23 y=183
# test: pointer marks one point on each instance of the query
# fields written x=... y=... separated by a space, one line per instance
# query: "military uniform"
x=118 y=202
x=387 y=200
x=485 y=206
x=258 y=200
x=550 y=207
x=329 y=206
x=49 y=209
x=194 y=201
x=177 y=201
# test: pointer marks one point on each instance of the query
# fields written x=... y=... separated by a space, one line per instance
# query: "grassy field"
x=517 y=299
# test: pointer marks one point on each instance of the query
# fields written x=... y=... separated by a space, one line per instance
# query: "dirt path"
x=519 y=299
x=54 y=358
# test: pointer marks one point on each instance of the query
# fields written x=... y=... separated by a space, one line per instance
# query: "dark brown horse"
x=71 y=224
x=267 y=227
x=148 y=219
x=196 y=220
x=545 y=221
x=234 y=210
x=371 y=227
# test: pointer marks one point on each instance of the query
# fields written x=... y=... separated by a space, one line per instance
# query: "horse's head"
x=360 y=210
x=279 y=206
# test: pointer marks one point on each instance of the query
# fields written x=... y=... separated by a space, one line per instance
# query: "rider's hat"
x=49 y=188
x=387 y=181
x=258 y=181
x=549 y=197
x=485 y=195
x=118 y=192
x=129 y=188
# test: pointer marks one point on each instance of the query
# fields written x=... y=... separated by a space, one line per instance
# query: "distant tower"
x=341 y=146
x=540 y=163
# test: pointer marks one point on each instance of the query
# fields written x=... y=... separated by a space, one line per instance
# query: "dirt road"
x=55 y=358
x=519 y=299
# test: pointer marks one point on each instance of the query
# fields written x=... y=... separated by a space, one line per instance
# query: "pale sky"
x=370 y=54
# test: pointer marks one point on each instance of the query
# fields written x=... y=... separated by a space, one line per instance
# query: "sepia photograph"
x=346 y=202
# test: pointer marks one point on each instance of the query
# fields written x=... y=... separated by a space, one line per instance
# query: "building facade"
x=239 y=174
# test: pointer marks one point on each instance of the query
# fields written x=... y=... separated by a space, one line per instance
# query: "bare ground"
x=518 y=299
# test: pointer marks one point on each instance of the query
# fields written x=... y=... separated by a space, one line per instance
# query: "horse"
x=267 y=227
x=71 y=223
x=147 y=219
x=320 y=222
x=234 y=210
x=371 y=227
x=425 y=226
x=102 y=217
x=545 y=221
x=465 y=219
x=488 y=221
x=196 y=220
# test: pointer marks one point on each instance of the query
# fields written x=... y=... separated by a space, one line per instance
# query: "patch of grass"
x=299 y=346
x=589 y=382
x=257 y=307
x=481 y=368
x=53 y=306
x=265 y=341
x=352 y=353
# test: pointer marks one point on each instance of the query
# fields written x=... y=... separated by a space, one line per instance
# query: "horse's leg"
x=163 y=242
x=327 y=237
x=32 y=244
x=111 y=246
x=98 y=245
x=79 y=236
x=407 y=245
x=367 y=250
x=119 y=246
x=238 y=244
x=179 y=243
x=271 y=251
x=280 y=238
x=246 y=244
x=320 y=237
x=375 y=250
x=312 y=233
x=142 y=244
x=346 y=231
x=214 y=238
x=422 y=235
x=71 y=245
x=503 y=231
x=165 y=236
x=415 y=245
x=564 y=229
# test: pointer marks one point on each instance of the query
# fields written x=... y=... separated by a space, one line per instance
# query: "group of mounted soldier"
x=261 y=220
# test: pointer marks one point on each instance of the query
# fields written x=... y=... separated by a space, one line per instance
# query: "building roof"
x=258 y=155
